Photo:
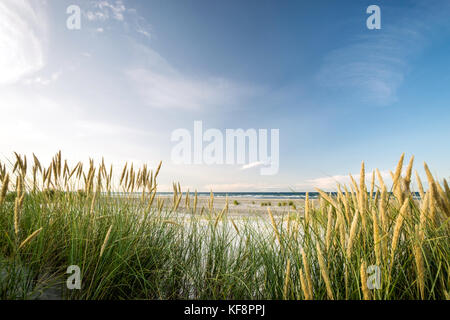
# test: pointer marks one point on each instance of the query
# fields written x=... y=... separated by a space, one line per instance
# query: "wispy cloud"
x=375 y=65
x=106 y=129
x=41 y=80
x=252 y=165
x=330 y=182
x=162 y=86
x=104 y=10
x=22 y=36
x=52 y=122
x=235 y=187
x=101 y=12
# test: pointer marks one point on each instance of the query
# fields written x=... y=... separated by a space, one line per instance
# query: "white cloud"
x=22 y=37
x=104 y=10
x=252 y=165
x=249 y=187
x=96 y=16
x=374 y=66
x=324 y=183
x=162 y=86
x=105 y=129
x=370 y=68
x=42 y=123
x=142 y=31
x=45 y=81
x=116 y=9
x=331 y=182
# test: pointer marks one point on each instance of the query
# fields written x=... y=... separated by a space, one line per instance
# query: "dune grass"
x=131 y=245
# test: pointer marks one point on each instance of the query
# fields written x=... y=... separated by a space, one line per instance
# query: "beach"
x=239 y=206
x=178 y=245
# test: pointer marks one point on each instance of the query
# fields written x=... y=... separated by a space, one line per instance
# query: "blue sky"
x=137 y=70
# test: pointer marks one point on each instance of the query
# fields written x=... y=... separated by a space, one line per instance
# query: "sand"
x=242 y=206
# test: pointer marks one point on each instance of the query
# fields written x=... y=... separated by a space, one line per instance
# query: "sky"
x=136 y=71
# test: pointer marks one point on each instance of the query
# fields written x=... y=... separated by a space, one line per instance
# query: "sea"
x=264 y=195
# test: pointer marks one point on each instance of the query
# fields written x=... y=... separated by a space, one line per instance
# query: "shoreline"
x=240 y=206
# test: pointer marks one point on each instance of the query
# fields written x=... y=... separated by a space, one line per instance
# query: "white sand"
x=244 y=206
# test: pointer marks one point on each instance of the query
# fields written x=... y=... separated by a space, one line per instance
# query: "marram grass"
x=129 y=244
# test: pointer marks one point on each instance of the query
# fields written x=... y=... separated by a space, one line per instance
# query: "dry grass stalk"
x=157 y=170
x=4 y=190
x=219 y=216
x=172 y=222
x=443 y=200
x=376 y=237
x=377 y=196
x=307 y=273
x=419 y=266
x=352 y=235
x=397 y=228
x=347 y=204
x=398 y=171
x=372 y=187
x=195 y=202
x=94 y=197
x=324 y=272
x=307 y=208
x=447 y=188
x=354 y=187
x=160 y=205
x=274 y=226
x=29 y=238
x=327 y=198
x=152 y=198
x=303 y=285
x=363 y=274
x=18 y=205
x=408 y=173
x=380 y=179
x=419 y=184
x=175 y=194
x=436 y=195
x=382 y=209
x=341 y=230
x=102 y=249
x=354 y=195
x=187 y=201
x=432 y=204
x=424 y=211
x=329 y=229
x=447 y=295
x=234 y=225
x=211 y=202
x=177 y=203
x=362 y=188
x=124 y=171
x=344 y=201
x=286 y=280
x=37 y=163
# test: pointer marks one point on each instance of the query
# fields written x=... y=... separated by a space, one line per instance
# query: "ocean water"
x=249 y=195
x=261 y=195
x=265 y=195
